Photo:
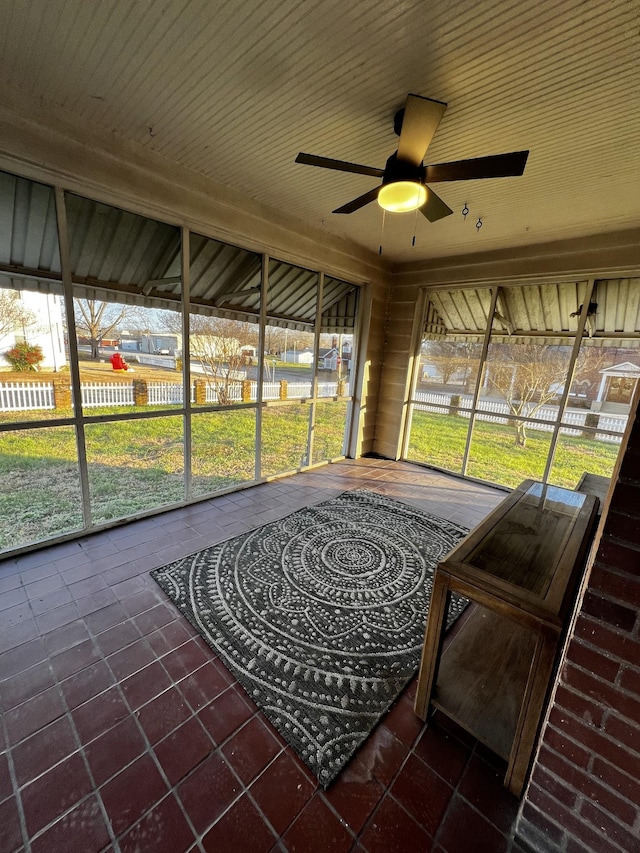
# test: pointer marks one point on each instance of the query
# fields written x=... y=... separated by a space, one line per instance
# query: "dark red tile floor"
x=122 y=731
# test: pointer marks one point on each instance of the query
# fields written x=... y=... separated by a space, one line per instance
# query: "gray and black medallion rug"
x=320 y=616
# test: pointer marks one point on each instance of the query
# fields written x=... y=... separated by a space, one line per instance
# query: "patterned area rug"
x=320 y=616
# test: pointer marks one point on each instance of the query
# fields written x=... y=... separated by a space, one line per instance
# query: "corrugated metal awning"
x=122 y=257
x=546 y=312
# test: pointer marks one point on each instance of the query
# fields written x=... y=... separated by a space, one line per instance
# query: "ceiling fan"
x=405 y=177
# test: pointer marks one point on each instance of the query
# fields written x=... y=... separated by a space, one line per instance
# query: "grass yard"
x=138 y=465
x=439 y=439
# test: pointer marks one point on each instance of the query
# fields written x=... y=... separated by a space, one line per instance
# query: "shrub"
x=24 y=356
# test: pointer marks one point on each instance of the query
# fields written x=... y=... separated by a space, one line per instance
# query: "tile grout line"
x=95 y=791
x=290 y=502
x=16 y=790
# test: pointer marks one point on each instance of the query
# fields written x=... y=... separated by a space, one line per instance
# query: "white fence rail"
x=96 y=394
x=165 y=393
x=26 y=396
x=224 y=393
x=30 y=396
x=270 y=390
x=434 y=402
x=298 y=390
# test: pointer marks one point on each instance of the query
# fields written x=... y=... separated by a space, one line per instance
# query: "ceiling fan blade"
x=434 y=208
x=496 y=166
x=338 y=165
x=419 y=124
x=359 y=202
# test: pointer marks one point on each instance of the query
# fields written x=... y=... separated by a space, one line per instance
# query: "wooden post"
x=283 y=389
x=246 y=391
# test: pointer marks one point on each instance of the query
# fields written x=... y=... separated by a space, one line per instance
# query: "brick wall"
x=585 y=786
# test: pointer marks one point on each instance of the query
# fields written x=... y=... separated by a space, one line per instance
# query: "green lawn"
x=138 y=465
x=439 y=439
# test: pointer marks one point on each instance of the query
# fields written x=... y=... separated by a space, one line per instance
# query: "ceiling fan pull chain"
x=384 y=213
x=415 y=226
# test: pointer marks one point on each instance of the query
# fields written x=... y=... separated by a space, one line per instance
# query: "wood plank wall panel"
x=395 y=365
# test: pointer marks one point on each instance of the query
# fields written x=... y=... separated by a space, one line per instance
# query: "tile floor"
x=121 y=731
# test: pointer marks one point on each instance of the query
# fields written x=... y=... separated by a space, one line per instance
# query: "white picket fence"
x=224 y=393
x=30 y=396
x=96 y=394
x=270 y=391
x=26 y=396
x=165 y=393
x=434 y=402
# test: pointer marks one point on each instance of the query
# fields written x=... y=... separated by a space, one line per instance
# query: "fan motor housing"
x=401 y=170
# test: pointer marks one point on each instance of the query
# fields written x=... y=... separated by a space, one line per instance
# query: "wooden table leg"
x=432 y=647
x=530 y=713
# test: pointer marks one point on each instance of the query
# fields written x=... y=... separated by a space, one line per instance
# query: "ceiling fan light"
x=402 y=196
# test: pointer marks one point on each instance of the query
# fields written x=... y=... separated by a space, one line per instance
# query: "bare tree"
x=13 y=315
x=528 y=377
x=454 y=357
x=590 y=361
x=219 y=346
x=96 y=320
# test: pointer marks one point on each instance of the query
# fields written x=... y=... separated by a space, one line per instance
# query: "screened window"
x=531 y=381
x=155 y=367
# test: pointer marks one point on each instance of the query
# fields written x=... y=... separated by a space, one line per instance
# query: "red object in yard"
x=118 y=362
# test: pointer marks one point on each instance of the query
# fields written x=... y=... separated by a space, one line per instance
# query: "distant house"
x=45 y=329
x=154 y=343
x=303 y=356
x=328 y=358
x=213 y=346
x=617 y=386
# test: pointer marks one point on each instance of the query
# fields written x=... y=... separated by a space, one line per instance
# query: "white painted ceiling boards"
x=234 y=91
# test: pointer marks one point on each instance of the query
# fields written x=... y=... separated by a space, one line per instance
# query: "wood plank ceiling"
x=234 y=91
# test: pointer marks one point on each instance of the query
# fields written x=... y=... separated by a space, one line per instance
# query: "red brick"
x=587 y=785
x=626 y=494
x=540 y=822
x=631 y=459
x=579 y=706
x=626 y=785
x=597 y=743
x=621 y=586
x=574 y=846
x=601 y=636
x=602 y=692
x=573 y=824
x=593 y=661
x=554 y=788
x=546 y=804
x=614 y=614
x=630 y=680
x=610 y=825
x=622 y=526
x=571 y=751
x=625 y=732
